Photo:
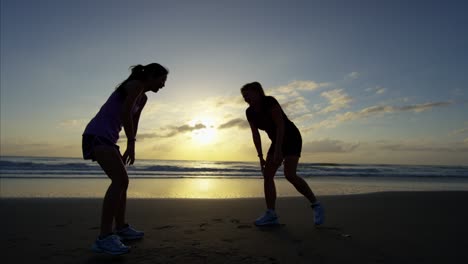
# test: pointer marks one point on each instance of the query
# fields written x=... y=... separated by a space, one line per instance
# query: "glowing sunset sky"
x=365 y=81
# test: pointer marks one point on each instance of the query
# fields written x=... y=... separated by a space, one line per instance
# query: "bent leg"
x=269 y=187
x=290 y=169
x=115 y=199
x=120 y=213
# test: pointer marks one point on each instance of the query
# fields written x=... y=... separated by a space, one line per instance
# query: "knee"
x=121 y=183
x=291 y=177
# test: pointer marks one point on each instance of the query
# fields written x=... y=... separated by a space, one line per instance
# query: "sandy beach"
x=394 y=227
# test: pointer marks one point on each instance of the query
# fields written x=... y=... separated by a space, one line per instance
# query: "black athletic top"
x=264 y=120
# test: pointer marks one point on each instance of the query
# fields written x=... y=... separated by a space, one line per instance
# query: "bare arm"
x=278 y=119
x=136 y=116
x=134 y=91
x=256 y=139
x=258 y=144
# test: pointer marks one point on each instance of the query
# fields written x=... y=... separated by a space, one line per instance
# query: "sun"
x=205 y=135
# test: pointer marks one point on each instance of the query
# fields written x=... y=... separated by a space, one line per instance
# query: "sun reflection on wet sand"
x=214 y=188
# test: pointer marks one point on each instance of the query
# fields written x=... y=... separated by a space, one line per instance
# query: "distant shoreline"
x=254 y=161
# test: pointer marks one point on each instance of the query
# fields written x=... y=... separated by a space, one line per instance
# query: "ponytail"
x=143 y=73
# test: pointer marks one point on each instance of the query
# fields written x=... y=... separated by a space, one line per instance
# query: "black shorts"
x=91 y=141
x=292 y=144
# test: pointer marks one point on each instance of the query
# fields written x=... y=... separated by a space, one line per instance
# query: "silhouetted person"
x=122 y=109
x=265 y=113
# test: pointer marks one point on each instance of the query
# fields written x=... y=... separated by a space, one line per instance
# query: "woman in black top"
x=265 y=113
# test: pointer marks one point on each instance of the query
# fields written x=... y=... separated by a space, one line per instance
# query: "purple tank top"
x=108 y=121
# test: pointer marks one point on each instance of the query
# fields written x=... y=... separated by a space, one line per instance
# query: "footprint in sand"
x=335 y=230
x=273 y=260
x=164 y=227
x=189 y=232
x=202 y=225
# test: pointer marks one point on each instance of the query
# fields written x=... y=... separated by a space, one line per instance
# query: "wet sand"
x=393 y=227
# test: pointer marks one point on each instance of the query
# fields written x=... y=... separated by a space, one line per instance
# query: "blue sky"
x=365 y=81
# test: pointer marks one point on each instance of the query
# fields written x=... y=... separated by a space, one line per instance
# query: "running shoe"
x=129 y=233
x=269 y=218
x=110 y=245
x=319 y=213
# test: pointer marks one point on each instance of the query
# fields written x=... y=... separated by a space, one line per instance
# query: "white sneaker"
x=110 y=245
x=319 y=213
x=269 y=218
x=129 y=233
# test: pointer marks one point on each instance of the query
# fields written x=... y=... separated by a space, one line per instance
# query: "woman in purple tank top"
x=122 y=109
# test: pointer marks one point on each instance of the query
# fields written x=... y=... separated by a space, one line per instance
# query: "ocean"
x=74 y=177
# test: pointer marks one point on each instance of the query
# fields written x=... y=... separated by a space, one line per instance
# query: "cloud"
x=292 y=88
x=302 y=118
x=377 y=90
x=328 y=123
x=382 y=109
x=460 y=131
x=374 y=111
x=423 y=107
x=307 y=85
x=288 y=92
x=73 y=123
x=171 y=131
x=175 y=130
x=36 y=148
x=21 y=146
x=337 y=99
x=295 y=105
x=424 y=148
x=353 y=75
x=163 y=148
x=381 y=91
x=141 y=136
x=297 y=108
x=227 y=101
x=237 y=122
x=329 y=146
